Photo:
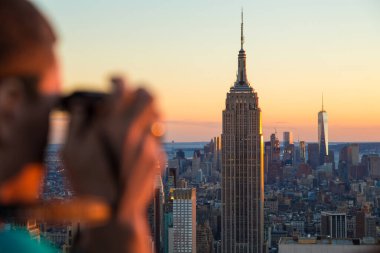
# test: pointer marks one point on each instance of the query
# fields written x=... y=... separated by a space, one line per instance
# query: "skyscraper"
x=288 y=139
x=184 y=221
x=275 y=148
x=242 y=166
x=158 y=214
x=302 y=151
x=312 y=153
x=323 y=134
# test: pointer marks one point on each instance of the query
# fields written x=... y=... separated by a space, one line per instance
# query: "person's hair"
x=26 y=39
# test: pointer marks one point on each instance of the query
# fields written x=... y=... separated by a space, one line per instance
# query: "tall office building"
x=348 y=161
x=267 y=159
x=288 y=139
x=334 y=224
x=195 y=164
x=372 y=164
x=184 y=221
x=312 y=153
x=216 y=160
x=158 y=215
x=275 y=148
x=323 y=135
x=242 y=166
x=204 y=238
x=302 y=150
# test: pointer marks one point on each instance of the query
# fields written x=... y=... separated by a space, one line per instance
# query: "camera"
x=85 y=99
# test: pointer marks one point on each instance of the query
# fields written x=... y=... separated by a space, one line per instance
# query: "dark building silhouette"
x=313 y=155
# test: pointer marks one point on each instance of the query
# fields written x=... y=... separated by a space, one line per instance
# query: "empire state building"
x=242 y=166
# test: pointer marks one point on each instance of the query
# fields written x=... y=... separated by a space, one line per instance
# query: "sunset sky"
x=186 y=52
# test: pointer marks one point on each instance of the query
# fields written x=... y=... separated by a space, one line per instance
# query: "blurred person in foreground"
x=112 y=152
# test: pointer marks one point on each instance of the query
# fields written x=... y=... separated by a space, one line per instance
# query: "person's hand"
x=142 y=156
x=113 y=152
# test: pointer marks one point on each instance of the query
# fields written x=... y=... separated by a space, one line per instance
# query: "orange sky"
x=186 y=51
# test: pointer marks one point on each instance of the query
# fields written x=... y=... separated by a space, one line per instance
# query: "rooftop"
x=325 y=241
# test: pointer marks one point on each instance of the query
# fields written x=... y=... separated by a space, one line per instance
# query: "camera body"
x=88 y=101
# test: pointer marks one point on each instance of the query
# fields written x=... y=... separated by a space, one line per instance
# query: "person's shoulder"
x=20 y=241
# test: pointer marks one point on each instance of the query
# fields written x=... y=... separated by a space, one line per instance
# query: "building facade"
x=242 y=167
x=302 y=150
x=184 y=221
x=334 y=224
x=323 y=133
x=287 y=139
x=313 y=155
x=275 y=148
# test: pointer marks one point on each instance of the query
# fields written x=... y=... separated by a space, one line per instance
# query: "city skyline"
x=300 y=49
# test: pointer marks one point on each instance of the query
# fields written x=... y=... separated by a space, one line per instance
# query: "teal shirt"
x=19 y=241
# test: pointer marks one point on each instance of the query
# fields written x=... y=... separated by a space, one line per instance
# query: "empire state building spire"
x=241 y=79
x=242 y=31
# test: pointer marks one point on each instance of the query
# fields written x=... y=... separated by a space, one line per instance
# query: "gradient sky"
x=186 y=52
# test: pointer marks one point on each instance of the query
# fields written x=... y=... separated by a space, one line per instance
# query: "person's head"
x=27 y=49
x=27 y=44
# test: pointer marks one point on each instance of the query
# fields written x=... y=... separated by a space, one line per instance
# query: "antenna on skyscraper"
x=242 y=30
x=322 y=103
